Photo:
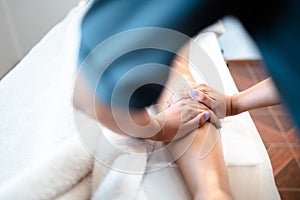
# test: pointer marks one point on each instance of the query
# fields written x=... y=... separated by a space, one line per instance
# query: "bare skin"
x=260 y=95
x=207 y=177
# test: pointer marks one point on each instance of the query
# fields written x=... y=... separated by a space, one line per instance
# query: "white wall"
x=236 y=43
x=23 y=23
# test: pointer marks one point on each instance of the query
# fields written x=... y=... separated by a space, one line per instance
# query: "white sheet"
x=36 y=117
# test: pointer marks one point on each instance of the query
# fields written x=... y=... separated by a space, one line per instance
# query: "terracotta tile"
x=239 y=70
x=281 y=110
x=289 y=177
x=236 y=63
x=276 y=129
x=293 y=136
x=285 y=122
x=260 y=112
x=271 y=138
x=296 y=149
x=242 y=83
x=259 y=71
x=256 y=63
x=267 y=120
x=280 y=157
x=241 y=75
x=289 y=195
x=269 y=134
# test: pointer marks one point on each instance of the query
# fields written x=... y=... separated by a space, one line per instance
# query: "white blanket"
x=43 y=157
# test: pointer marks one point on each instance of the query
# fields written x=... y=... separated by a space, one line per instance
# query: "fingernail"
x=207 y=116
x=193 y=94
x=169 y=99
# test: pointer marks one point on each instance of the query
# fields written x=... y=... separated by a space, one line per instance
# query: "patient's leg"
x=206 y=177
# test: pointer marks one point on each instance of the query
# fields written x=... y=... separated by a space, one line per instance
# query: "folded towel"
x=54 y=175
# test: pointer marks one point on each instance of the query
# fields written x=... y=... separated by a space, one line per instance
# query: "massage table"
x=49 y=150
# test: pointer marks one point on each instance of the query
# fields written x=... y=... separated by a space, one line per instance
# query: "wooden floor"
x=276 y=128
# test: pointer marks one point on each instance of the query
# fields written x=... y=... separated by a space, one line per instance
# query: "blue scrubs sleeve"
x=126 y=47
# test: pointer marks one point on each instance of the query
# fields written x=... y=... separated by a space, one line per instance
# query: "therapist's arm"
x=184 y=116
x=260 y=95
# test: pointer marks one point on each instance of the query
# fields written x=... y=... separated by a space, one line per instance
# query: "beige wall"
x=23 y=23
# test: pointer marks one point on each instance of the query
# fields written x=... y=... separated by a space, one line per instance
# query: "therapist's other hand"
x=219 y=103
x=180 y=118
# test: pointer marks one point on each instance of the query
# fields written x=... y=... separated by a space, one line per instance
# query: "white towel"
x=53 y=176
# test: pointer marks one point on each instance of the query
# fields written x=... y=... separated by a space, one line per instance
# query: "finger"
x=202 y=98
x=194 y=109
x=189 y=113
x=197 y=121
x=203 y=88
x=189 y=126
x=172 y=99
x=193 y=124
x=191 y=108
x=207 y=116
x=214 y=119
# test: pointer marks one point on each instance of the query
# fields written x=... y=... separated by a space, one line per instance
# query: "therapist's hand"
x=219 y=103
x=180 y=118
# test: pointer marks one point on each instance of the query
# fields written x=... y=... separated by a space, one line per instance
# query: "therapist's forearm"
x=176 y=121
x=260 y=95
x=83 y=100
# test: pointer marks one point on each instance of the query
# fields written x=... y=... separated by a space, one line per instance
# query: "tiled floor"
x=276 y=129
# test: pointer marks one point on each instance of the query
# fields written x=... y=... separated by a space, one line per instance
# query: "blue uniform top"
x=108 y=54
